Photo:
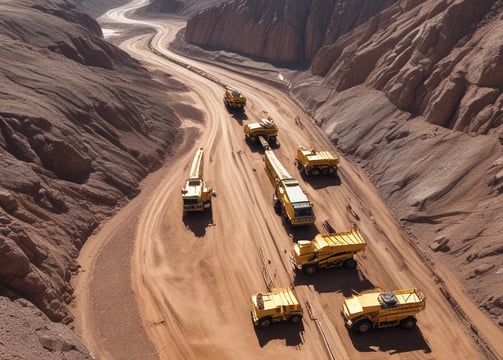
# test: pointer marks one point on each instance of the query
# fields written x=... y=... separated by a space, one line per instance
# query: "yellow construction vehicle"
x=275 y=306
x=266 y=128
x=234 y=100
x=289 y=199
x=328 y=251
x=377 y=308
x=312 y=162
x=195 y=195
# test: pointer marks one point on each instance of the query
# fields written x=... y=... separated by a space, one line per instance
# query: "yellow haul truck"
x=275 y=306
x=377 y=308
x=195 y=195
x=289 y=199
x=311 y=162
x=234 y=100
x=266 y=128
x=328 y=251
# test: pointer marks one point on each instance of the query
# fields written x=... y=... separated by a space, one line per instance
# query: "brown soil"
x=157 y=284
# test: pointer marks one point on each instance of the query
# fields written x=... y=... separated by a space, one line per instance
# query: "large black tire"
x=294 y=319
x=310 y=269
x=331 y=171
x=408 y=323
x=315 y=172
x=276 y=204
x=350 y=264
x=265 y=322
x=362 y=326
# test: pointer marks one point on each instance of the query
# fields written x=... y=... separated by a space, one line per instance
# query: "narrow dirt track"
x=192 y=275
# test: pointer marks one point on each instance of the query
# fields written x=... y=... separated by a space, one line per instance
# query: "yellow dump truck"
x=275 y=306
x=266 y=128
x=312 y=162
x=289 y=199
x=195 y=195
x=377 y=308
x=328 y=251
x=234 y=100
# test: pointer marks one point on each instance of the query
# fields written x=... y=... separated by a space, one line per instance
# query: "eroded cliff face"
x=283 y=31
x=180 y=7
x=414 y=95
x=442 y=60
x=81 y=123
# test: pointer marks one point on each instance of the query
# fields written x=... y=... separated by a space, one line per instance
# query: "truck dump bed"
x=278 y=297
x=320 y=157
x=407 y=299
x=347 y=241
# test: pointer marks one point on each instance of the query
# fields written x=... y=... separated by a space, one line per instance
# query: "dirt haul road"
x=157 y=284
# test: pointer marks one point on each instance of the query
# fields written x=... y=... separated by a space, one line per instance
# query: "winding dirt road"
x=157 y=284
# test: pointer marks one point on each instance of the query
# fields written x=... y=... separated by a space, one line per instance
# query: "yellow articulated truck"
x=377 y=308
x=312 y=162
x=195 y=195
x=275 y=306
x=328 y=251
x=289 y=199
x=266 y=128
x=234 y=100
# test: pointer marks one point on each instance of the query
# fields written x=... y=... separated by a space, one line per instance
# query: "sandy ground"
x=157 y=284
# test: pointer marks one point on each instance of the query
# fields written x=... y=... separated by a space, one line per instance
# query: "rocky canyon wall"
x=442 y=60
x=81 y=123
x=284 y=31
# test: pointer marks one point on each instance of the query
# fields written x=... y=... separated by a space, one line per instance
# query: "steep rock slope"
x=284 y=31
x=414 y=96
x=180 y=7
x=439 y=161
x=81 y=123
x=442 y=60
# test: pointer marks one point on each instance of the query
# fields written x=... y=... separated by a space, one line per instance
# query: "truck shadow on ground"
x=256 y=147
x=238 y=115
x=292 y=333
x=322 y=181
x=347 y=281
x=197 y=222
x=297 y=233
x=391 y=340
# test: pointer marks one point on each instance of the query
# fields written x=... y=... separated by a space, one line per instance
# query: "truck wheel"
x=408 y=323
x=265 y=322
x=294 y=319
x=331 y=171
x=276 y=204
x=350 y=264
x=310 y=269
x=315 y=172
x=324 y=171
x=362 y=326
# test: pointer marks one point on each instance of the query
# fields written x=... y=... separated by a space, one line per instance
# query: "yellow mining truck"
x=266 y=128
x=312 y=162
x=328 y=251
x=234 y=100
x=275 y=306
x=289 y=199
x=377 y=308
x=195 y=195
